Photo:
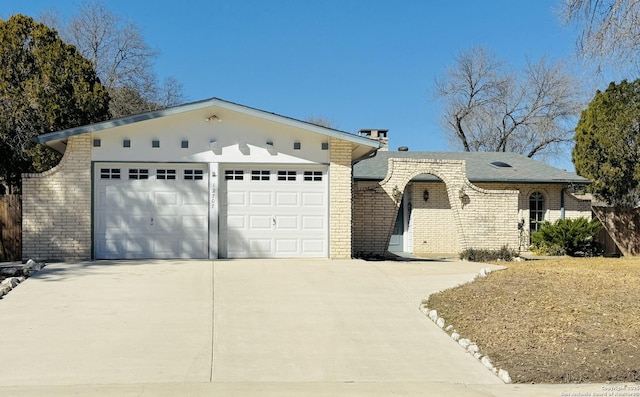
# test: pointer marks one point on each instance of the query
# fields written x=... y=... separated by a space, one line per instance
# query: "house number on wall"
x=213 y=196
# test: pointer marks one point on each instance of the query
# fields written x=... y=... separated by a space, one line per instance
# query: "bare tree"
x=488 y=107
x=609 y=30
x=321 y=121
x=122 y=58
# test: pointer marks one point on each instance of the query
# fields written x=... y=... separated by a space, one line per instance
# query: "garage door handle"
x=274 y=221
x=151 y=221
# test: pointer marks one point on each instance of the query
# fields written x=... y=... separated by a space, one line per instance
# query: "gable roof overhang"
x=362 y=146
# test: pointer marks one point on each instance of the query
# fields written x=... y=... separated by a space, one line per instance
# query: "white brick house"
x=214 y=179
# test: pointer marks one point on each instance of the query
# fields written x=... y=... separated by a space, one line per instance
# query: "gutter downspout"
x=562 y=203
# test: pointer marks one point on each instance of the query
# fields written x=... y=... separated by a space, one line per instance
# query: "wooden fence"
x=10 y=228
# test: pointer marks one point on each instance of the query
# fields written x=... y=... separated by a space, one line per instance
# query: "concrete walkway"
x=239 y=328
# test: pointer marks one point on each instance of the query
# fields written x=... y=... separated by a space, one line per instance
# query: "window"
x=138 y=173
x=155 y=143
x=109 y=173
x=260 y=175
x=184 y=144
x=536 y=211
x=97 y=143
x=233 y=175
x=286 y=175
x=166 y=174
x=296 y=146
x=193 y=175
x=314 y=176
x=126 y=143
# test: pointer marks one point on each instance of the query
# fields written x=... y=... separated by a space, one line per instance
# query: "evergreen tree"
x=45 y=86
x=607 y=149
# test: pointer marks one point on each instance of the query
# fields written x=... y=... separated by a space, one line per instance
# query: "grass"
x=569 y=320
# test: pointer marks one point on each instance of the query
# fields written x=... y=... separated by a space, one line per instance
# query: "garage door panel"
x=317 y=246
x=313 y=223
x=236 y=222
x=167 y=224
x=313 y=199
x=166 y=198
x=286 y=199
x=287 y=222
x=236 y=198
x=194 y=198
x=260 y=199
x=194 y=222
x=260 y=222
x=287 y=246
x=260 y=245
x=157 y=217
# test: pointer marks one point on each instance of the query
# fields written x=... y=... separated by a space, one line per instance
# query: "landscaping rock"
x=433 y=315
x=455 y=336
x=11 y=282
x=464 y=342
x=504 y=376
x=473 y=348
x=486 y=361
x=440 y=322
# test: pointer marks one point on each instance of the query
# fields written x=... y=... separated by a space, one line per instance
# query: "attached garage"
x=155 y=210
x=209 y=179
x=272 y=211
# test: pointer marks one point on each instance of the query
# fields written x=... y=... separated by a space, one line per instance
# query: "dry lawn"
x=567 y=320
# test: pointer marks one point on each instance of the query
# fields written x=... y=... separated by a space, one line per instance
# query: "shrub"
x=486 y=255
x=573 y=237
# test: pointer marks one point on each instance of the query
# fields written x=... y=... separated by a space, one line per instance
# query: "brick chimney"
x=378 y=135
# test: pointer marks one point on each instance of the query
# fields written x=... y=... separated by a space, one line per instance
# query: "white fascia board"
x=53 y=139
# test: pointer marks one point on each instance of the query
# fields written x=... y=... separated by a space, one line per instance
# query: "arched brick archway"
x=483 y=218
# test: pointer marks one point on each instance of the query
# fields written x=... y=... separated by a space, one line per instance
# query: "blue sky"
x=360 y=64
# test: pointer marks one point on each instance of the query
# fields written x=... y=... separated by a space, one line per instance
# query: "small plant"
x=486 y=255
x=573 y=237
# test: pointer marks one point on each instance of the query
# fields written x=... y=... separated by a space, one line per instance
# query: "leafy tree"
x=572 y=237
x=45 y=86
x=122 y=58
x=487 y=107
x=607 y=149
x=610 y=33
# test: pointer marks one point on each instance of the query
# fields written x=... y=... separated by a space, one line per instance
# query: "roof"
x=478 y=165
x=54 y=139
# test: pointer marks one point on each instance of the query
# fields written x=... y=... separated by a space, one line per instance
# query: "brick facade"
x=458 y=214
x=340 y=200
x=56 y=207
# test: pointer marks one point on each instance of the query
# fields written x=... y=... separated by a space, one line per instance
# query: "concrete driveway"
x=241 y=327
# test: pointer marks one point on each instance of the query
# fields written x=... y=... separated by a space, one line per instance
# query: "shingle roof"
x=478 y=165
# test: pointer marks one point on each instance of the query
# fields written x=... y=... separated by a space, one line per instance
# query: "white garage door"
x=274 y=212
x=150 y=211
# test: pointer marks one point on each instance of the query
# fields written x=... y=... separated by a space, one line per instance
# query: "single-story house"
x=216 y=179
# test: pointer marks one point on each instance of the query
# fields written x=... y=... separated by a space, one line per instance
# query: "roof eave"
x=54 y=139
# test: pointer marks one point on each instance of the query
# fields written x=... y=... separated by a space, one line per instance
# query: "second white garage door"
x=274 y=212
